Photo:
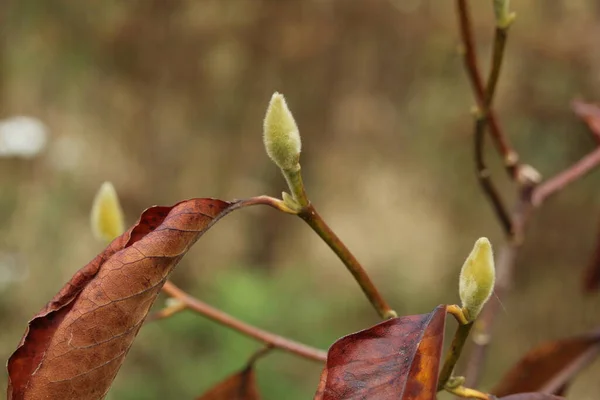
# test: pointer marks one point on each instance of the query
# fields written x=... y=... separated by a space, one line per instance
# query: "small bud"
x=504 y=17
x=290 y=202
x=107 y=215
x=172 y=302
x=477 y=279
x=281 y=135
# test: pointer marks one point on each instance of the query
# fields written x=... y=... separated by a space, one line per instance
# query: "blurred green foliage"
x=166 y=100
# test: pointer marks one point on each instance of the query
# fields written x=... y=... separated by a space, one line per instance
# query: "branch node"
x=527 y=176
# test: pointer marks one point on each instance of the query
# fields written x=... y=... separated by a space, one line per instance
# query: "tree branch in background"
x=590 y=113
x=531 y=196
x=531 y=193
x=510 y=157
x=562 y=179
x=227 y=320
x=484 y=178
x=485 y=114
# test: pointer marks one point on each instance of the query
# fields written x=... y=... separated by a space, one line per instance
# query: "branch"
x=573 y=173
x=531 y=193
x=484 y=178
x=316 y=222
x=485 y=115
x=590 y=113
x=510 y=157
x=227 y=320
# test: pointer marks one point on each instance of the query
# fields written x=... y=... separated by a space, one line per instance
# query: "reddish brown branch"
x=558 y=182
x=315 y=221
x=590 y=113
x=509 y=156
x=484 y=178
x=531 y=193
x=484 y=97
x=227 y=320
x=309 y=214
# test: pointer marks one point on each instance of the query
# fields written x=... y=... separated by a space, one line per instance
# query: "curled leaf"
x=396 y=359
x=74 y=347
x=550 y=366
x=240 y=386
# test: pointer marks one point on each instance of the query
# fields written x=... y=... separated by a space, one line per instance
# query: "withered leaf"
x=74 y=347
x=550 y=366
x=396 y=359
x=240 y=386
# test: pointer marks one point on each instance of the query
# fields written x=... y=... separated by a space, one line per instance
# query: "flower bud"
x=477 y=279
x=107 y=215
x=504 y=17
x=281 y=135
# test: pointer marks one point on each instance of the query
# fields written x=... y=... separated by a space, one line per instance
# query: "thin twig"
x=485 y=114
x=509 y=156
x=227 y=320
x=258 y=354
x=484 y=178
x=316 y=222
x=531 y=192
x=573 y=173
x=168 y=311
x=590 y=113
x=497 y=57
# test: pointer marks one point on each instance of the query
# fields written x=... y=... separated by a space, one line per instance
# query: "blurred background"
x=166 y=99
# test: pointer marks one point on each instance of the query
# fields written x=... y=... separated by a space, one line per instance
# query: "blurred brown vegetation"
x=166 y=100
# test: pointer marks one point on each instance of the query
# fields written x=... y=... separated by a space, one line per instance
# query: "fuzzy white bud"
x=477 y=278
x=107 y=216
x=281 y=135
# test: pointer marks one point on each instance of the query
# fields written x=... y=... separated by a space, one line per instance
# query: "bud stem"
x=458 y=342
x=296 y=186
x=467 y=393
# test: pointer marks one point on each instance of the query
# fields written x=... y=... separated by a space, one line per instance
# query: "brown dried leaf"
x=240 y=386
x=74 y=347
x=396 y=359
x=322 y=385
x=550 y=366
